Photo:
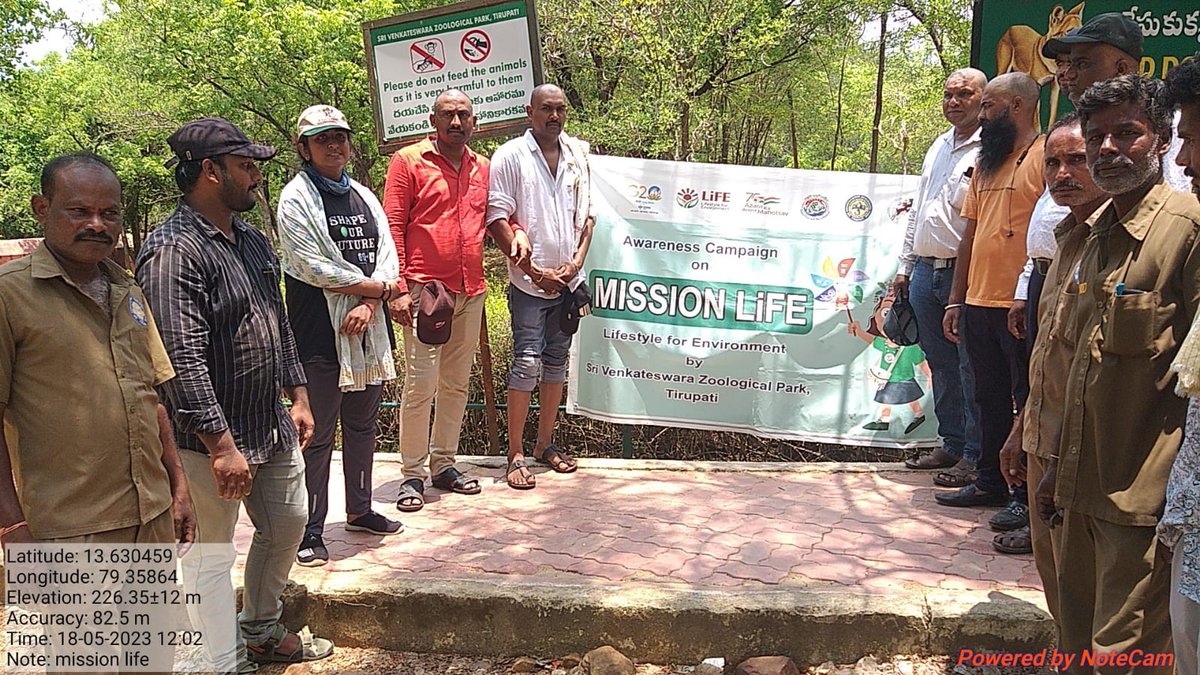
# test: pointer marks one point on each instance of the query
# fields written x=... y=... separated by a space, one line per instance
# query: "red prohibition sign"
x=476 y=45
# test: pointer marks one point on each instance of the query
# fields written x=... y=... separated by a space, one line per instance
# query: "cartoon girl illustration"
x=895 y=370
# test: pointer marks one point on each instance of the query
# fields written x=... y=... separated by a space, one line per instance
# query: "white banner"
x=747 y=299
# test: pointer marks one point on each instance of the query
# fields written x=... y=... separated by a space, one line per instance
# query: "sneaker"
x=312 y=551
x=375 y=524
x=1011 y=517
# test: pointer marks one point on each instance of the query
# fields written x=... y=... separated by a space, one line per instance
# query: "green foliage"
x=702 y=80
x=709 y=81
x=21 y=22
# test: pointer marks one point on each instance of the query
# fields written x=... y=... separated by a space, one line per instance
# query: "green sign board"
x=489 y=50
x=1007 y=36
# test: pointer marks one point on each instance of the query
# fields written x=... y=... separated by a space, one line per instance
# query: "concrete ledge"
x=663 y=623
x=613 y=464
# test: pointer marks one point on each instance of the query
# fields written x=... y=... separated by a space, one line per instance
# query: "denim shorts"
x=540 y=348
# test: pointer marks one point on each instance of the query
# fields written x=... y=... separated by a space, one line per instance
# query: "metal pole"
x=489 y=388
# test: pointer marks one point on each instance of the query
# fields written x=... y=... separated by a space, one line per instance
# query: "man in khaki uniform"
x=86 y=454
x=1130 y=301
x=1035 y=432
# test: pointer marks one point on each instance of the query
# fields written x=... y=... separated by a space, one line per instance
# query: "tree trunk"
x=792 y=129
x=883 y=17
x=837 y=130
x=685 y=132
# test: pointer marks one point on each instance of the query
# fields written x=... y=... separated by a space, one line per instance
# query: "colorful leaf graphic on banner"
x=840 y=283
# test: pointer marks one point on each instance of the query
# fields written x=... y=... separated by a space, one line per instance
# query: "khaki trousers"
x=1045 y=540
x=1113 y=590
x=442 y=372
x=159 y=530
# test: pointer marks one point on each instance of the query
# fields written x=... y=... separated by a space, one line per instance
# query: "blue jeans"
x=540 y=348
x=953 y=380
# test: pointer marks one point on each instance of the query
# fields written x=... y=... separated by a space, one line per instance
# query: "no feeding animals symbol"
x=476 y=45
x=427 y=55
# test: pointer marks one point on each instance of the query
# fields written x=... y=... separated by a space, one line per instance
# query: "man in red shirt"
x=434 y=199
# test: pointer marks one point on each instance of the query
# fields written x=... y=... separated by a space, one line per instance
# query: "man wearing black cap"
x=1107 y=46
x=215 y=281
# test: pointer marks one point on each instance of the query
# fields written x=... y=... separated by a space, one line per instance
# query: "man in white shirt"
x=935 y=229
x=540 y=188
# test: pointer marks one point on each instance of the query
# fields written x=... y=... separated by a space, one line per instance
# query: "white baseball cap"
x=318 y=118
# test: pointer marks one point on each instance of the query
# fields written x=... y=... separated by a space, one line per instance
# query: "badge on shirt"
x=137 y=310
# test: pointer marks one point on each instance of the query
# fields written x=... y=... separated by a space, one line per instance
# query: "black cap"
x=574 y=304
x=212 y=137
x=1110 y=28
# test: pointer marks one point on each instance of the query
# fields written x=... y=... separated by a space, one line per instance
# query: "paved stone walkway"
x=875 y=528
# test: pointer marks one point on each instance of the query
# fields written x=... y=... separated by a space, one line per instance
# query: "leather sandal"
x=957 y=476
x=518 y=466
x=1015 y=542
x=556 y=458
x=453 y=480
x=937 y=458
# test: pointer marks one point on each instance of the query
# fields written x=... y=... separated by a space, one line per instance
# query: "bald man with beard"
x=1006 y=183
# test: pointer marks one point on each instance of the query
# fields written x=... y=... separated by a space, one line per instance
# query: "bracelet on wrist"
x=4 y=532
x=953 y=305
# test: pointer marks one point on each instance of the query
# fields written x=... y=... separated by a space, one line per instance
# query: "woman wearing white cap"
x=340 y=269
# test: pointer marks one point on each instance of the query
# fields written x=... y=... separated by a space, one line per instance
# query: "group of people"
x=1056 y=281
x=170 y=388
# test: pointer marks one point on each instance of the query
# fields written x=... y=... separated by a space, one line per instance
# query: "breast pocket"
x=958 y=193
x=1131 y=324
x=477 y=194
x=1062 y=323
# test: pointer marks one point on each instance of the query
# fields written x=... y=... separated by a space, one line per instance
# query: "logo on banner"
x=687 y=198
x=646 y=198
x=757 y=202
x=709 y=200
x=858 y=208
x=816 y=206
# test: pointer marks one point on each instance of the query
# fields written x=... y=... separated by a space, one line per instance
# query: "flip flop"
x=515 y=467
x=453 y=480
x=556 y=458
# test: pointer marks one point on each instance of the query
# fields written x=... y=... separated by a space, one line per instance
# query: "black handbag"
x=900 y=326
